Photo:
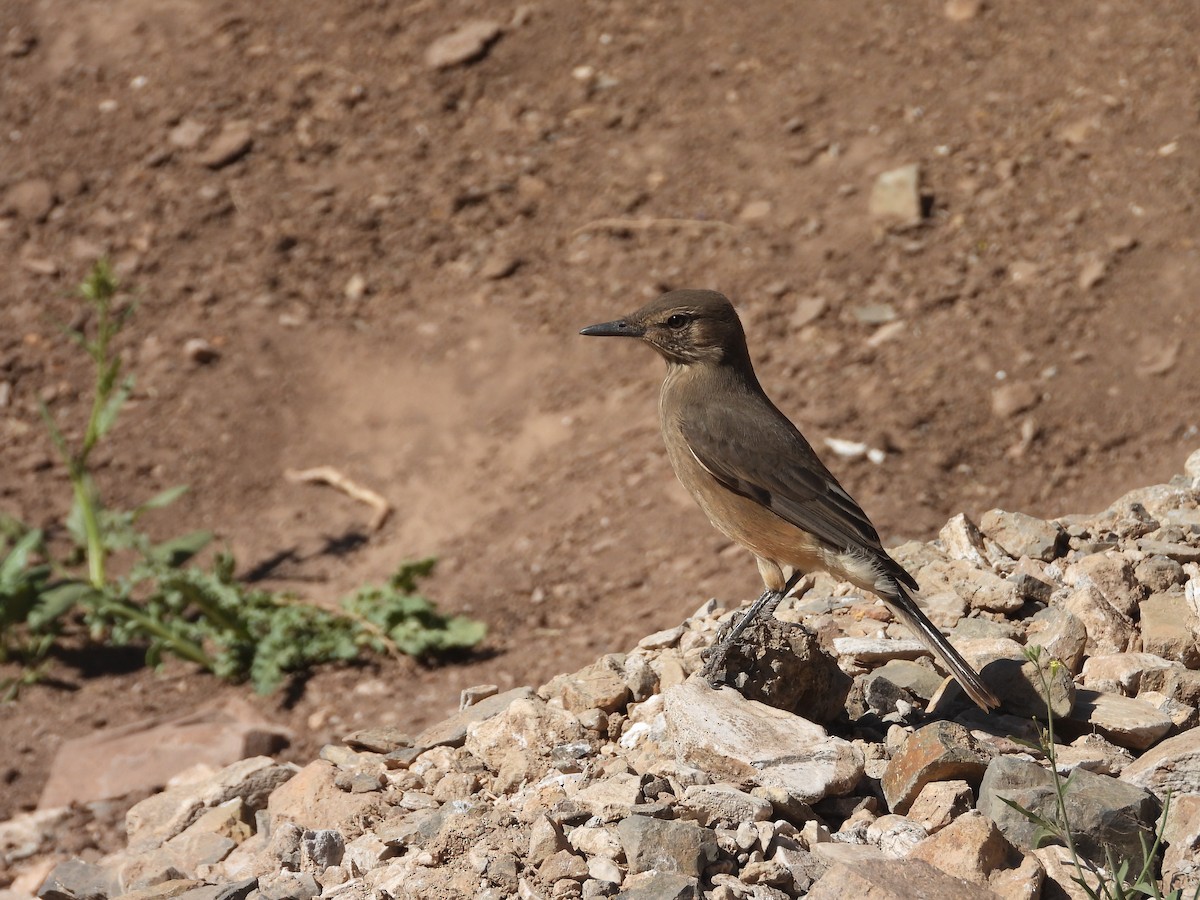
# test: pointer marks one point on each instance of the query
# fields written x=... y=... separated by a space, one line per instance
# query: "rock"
x=980 y=588
x=1121 y=673
x=893 y=879
x=1173 y=766
x=1102 y=810
x=1108 y=629
x=895 y=835
x=289 y=886
x=1061 y=875
x=187 y=134
x=940 y=751
x=1158 y=574
x=1023 y=535
x=518 y=742
x=666 y=845
x=962 y=10
x=383 y=739
x=611 y=798
x=660 y=640
x=1176 y=682
x=973 y=849
x=1013 y=398
x=312 y=800
x=1169 y=628
x=857 y=651
x=1093 y=753
x=912 y=677
x=74 y=879
x=807 y=311
x=1060 y=635
x=1181 y=715
x=962 y=539
x=1180 y=552
x=467 y=43
x=32 y=199
x=596 y=841
x=1112 y=575
x=320 y=849
x=1181 y=834
x=545 y=839
x=231 y=144
x=563 y=864
x=750 y=743
x=783 y=665
x=659 y=886
x=1021 y=684
x=896 y=196
x=722 y=804
x=598 y=686
x=162 y=816
x=941 y=802
x=200 y=351
x=113 y=762
x=1126 y=721
x=452 y=732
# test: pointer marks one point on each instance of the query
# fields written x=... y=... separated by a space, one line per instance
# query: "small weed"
x=166 y=603
x=1115 y=881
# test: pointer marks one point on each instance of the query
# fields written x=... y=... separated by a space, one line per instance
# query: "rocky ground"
x=844 y=764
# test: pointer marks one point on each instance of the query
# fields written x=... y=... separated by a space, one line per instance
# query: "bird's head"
x=685 y=327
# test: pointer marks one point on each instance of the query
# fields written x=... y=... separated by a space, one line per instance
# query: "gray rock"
x=1180 y=552
x=912 y=677
x=321 y=849
x=75 y=879
x=1102 y=811
x=659 y=886
x=722 y=804
x=452 y=732
x=1173 y=766
x=940 y=751
x=1158 y=573
x=236 y=890
x=289 y=886
x=666 y=845
x=1178 y=683
x=1022 y=685
x=860 y=651
x=1023 y=535
x=749 y=743
x=1126 y=721
x=467 y=43
x=783 y=665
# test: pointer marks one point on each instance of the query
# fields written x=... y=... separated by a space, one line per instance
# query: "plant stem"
x=91 y=525
x=180 y=646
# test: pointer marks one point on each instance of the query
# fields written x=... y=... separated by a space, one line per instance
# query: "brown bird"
x=756 y=476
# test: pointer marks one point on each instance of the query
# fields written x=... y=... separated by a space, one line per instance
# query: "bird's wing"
x=755 y=451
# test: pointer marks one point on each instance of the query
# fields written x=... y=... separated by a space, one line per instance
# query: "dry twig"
x=332 y=477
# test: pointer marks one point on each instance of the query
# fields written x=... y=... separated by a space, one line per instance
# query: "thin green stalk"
x=180 y=646
x=91 y=526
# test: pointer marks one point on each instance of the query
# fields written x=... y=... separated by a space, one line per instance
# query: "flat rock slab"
x=749 y=743
x=1173 y=766
x=894 y=879
x=143 y=755
x=452 y=732
x=940 y=751
x=1126 y=721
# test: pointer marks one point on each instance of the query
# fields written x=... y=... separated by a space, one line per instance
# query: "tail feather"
x=902 y=604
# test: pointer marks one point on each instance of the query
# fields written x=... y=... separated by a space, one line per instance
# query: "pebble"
x=232 y=143
x=467 y=43
x=32 y=199
x=896 y=196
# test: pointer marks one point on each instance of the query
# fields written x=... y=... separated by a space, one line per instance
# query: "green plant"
x=1113 y=882
x=162 y=601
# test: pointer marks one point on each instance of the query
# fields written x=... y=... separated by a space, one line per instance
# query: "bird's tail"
x=928 y=634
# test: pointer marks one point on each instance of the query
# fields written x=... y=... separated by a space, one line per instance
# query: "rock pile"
x=633 y=778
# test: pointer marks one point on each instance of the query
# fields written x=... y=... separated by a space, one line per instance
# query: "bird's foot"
x=729 y=636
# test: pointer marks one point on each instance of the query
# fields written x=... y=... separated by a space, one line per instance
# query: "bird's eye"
x=677 y=321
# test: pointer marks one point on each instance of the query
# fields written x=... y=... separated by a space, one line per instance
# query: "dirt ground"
x=392 y=261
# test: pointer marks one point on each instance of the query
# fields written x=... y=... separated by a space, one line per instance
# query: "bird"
x=757 y=478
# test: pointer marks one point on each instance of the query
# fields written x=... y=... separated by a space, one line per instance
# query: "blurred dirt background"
x=389 y=253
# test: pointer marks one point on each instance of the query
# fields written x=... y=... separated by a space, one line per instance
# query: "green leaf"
x=56 y=602
x=177 y=551
x=165 y=498
x=107 y=416
x=1029 y=814
x=18 y=558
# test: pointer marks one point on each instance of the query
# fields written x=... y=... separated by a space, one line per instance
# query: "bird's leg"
x=765 y=604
